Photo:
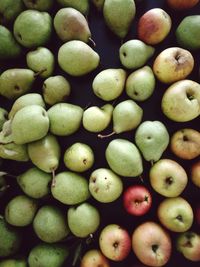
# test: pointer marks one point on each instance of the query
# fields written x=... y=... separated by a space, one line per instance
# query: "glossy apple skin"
x=154 y=26
x=115 y=242
x=195 y=173
x=182 y=4
x=94 y=258
x=151 y=244
x=137 y=200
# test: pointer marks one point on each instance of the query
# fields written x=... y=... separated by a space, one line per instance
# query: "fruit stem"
x=152 y=162
x=141 y=179
x=89 y=239
x=105 y=136
x=39 y=72
x=4 y=188
x=53 y=178
x=77 y=254
x=92 y=41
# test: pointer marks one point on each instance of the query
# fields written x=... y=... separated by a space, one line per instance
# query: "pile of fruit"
x=99 y=133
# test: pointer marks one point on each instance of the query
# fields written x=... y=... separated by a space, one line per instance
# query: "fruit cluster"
x=105 y=175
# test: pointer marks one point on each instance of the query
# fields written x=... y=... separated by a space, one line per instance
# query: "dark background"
x=107 y=45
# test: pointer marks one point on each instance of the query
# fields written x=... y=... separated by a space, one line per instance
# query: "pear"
x=135 y=53
x=77 y=58
x=9 y=10
x=33 y=28
x=83 y=219
x=152 y=138
x=109 y=84
x=80 y=5
x=26 y=100
x=119 y=15
x=13 y=151
x=105 y=186
x=124 y=158
x=3 y=117
x=79 y=157
x=50 y=224
x=140 y=84
x=70 y=24
x=29 y=124
x=16 y=82
x=45 y=154
x=56 y=89
x=41 y=5
x=65 y=119
x=9 y=48
x=34 y=183
x=70 y=188
x=41 y=61
x=13 y=263
x=99 y=4
x=127 y=115
x=96 y=119
x=20 y=210
x=10 y=241
x=48 y=255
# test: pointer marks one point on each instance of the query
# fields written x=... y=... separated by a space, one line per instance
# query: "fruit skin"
x=9 y=10
x=94 y=258
x=156 y=242
x=185 y=143
x=3 y=117
x=13 y=263
x=41 y=5
x=154 y=26
x=173 y=64
x=115 y=242
x=181 y=101
x=187 y=32
x=80 y=5
x=137 y=200
x=188 y=244
x=182 y=4
x=195 y=173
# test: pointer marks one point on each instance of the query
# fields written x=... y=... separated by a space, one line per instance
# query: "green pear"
x=16 y=82
x=41 y=5
x=13 y=263
x=9 y=10
x=124 y=158
x=45 y=154
x=188 y=32
x=50 y=224
x=99 y=4
x=65 y=119
x=77 y=58
x=96 y=119
x=13 y=151
x=135 y=53
x=10 y=240
x=41 y=61
x=79 y=157
x=26 y=100
x=80 y=5
x=9 y=48
x=109 y=84
x=20 y=210
x=29 y=124
x=48 y=255
x=70 y=188
x=70 y=24
x=33 y=28
x=105 y=186
x=140 y=84
x=56 y=89
x=3 y=117
x=83 y=219
x=119 y=15
x=152 y=138
x=6 y=132
x=34 y=183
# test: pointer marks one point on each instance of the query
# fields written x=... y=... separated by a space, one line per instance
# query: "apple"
x=154 y=26
x=181 y=101
x=182 y=4
x=195 y=173
x=168 y=178
x=173 y=64
x=188 y=244
x=94 y=258
x=137 y=200
x=115 y=242
x=185 y=143
x=175 y=214
x=151 y=244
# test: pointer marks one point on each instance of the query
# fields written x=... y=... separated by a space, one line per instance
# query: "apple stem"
x=53 y=178
x=39 y=72
x=107 y=135
x=92 y=41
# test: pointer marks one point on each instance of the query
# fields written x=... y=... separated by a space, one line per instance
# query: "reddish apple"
x=182 y=4
x=115 y=242
x=137 y=200
x=195 y=173
x=94 y=258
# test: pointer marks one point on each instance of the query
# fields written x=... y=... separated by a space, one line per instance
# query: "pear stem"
x=152 y=162
x=53 y=178
x=77 y=254
x=1 y=217
x=89 y=239
x=39 y=72
x=92 y=41
x=7 y=174
x=87 y=106
x=107 y=135
x=4 y=188
x=141 y=179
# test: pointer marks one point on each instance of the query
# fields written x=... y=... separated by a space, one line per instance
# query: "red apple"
x=115 y=242
x=137 y=200
x=94 y=258
x=195 y=173
x=182 y=4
